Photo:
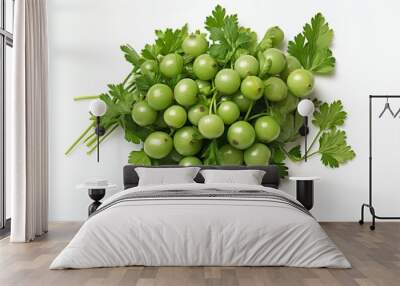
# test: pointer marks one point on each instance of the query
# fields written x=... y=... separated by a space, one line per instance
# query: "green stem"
x=86 y=97
x=103 y=138
x=212 y=103
x=127 y=78
x=91 y=142
x=88 y=138
x=249 y=111
x=299 y=159
x=312 y=154
x=314 y=140
x=131 y=87
x=258 y=115
x=73 y=145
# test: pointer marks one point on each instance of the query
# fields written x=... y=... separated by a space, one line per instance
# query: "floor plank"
x=375 y=257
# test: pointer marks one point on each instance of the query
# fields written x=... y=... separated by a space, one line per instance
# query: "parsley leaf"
x=151 y=52
x=218 y=18
x=311 y=47
x=124 y=99
x=330 y=116
x=227 y=36
x=295 y=153
x=277 y=153
x=139 y=158
x=133 y=132
x=290 y=127
x=284 y=112
x=132 y=56
x=145 y=81
x=282 y=169
x=172 y=158
x=119 y=102
x=170 y=41
x=210 y=154
x=334 y=149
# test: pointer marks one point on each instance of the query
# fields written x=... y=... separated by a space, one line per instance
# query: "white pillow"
x=163 y=176
x=246 y=177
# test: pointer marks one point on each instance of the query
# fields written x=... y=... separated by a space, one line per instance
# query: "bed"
x=198 y=224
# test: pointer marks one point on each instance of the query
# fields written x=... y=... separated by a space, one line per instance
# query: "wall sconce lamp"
x=98 y=108
x=305 y=108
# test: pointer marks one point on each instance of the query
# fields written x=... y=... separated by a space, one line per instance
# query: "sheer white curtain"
x=28 y=159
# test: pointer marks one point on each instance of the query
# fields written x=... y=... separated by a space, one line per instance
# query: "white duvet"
x=200 y=231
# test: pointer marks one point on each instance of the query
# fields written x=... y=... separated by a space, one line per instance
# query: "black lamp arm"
x=99 y=131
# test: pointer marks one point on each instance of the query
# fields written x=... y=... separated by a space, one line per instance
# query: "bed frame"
x=271 y=177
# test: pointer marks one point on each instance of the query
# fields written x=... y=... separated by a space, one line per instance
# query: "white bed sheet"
x=200 y=231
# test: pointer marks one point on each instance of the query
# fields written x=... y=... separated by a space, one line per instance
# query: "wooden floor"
x=375 y=257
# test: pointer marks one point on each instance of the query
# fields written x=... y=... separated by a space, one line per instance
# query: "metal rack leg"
x=361 y=221
x=372 y=210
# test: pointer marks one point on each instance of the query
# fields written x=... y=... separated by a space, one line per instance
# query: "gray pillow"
x=246 y=177
x=162 y=176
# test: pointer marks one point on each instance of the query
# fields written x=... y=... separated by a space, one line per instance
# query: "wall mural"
x=224 y=97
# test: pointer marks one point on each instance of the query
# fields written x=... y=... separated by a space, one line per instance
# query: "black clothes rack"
x=370 y=204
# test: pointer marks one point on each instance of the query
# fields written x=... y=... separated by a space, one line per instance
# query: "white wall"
x=84 y=57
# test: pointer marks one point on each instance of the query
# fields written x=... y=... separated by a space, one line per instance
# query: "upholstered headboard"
x=271 y=177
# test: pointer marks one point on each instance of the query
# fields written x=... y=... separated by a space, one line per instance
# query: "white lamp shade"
x=98 y=107
x=305 y=107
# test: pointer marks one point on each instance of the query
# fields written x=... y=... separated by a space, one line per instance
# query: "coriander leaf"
x=329 y=116
x=131 y=56
x=295 y=153
x=324 y=62
x=170 y=41
x=131 y=137
x=250 y=42
x=128 y=125
x=172 y=82
x=171 y=159
x=112 y=112
x=277 y=153
x=290 y=127
x=299 y=50
x=151 y=52
x=145 y=81
x=311 y=47
x=227 y=36
x=240 y=52
x=288 y=105
x=187 y=59
x=133 y=131
x=334 y=149
x=175 y=156
x=231 y=31
x=123 y=98
x=210 y=155
x=282 y=169
x=218 y=17
x=219 y=51
x=119 y=101
x=139 y=158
